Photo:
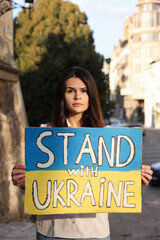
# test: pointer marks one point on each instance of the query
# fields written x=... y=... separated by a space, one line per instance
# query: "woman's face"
x=76 y=96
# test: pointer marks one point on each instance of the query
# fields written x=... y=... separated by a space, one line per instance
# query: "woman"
x=76 y=105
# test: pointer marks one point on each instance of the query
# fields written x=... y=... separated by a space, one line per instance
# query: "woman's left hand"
x=146 y=174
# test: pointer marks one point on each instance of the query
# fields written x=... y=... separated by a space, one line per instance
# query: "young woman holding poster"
x=76 y=105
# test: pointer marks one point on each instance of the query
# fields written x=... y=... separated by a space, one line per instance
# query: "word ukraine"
x=82 y=170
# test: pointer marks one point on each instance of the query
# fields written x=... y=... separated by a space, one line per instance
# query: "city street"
x=146 y=225
x=132 y=226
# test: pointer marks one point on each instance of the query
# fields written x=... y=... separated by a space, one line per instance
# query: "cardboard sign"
x=82 y=170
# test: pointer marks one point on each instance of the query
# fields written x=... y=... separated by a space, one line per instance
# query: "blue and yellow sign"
x=82 y=170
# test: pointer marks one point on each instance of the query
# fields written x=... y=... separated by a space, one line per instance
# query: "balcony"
x=147 y=1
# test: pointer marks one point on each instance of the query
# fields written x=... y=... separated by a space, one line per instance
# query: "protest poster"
x=82 y=170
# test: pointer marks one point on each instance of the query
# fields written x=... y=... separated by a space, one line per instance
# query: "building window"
x=152 y=52
x=140 y=8
x=147 y=51
x=147 y=19
x=137 y=20
x=144 y=37
x=147 y=7
x=158 y=19
x=137 y=38
x=136 y=82
x=156 y=6
x=149 y=37
x=137 y=68
x=155 y=52
x=138 y=53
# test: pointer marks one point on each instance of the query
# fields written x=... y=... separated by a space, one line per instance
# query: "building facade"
x=142 y=33
x=152 y=95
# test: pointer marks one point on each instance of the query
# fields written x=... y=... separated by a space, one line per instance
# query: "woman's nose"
x=77 y=95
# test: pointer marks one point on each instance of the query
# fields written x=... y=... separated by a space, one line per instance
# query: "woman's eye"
x=84 y=91
x=69 y=91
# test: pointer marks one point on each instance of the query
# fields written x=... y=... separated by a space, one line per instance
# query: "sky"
x=106 y=20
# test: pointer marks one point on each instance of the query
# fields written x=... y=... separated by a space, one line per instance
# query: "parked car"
x=156 y=174
x=118 y=123
x=114 y=122
x=136 y=125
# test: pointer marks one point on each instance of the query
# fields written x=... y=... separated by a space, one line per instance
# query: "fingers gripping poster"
x=82 y=170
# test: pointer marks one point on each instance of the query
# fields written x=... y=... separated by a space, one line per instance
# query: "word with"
x=75 y=172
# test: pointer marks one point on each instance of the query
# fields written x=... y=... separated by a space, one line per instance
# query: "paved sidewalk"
x=139 y=226
x=17 y=230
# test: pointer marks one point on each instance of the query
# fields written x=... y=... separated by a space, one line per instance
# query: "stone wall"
x=12 y=124
x=6 y=39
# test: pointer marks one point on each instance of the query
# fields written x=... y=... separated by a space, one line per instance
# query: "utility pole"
x=108 y=61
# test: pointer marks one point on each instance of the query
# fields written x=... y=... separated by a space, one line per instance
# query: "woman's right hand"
x=18 y=175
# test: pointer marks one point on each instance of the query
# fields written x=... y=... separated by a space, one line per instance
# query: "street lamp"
x=108 y=61
x=7 y=5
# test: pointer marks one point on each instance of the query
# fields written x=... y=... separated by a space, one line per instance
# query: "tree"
x=55 y=36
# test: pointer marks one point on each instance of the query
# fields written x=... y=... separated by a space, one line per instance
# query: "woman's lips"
x=77 y=104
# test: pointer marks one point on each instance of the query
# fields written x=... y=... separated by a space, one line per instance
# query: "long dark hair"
x=93 y=116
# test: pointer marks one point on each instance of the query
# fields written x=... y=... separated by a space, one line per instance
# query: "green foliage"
x=54 y=37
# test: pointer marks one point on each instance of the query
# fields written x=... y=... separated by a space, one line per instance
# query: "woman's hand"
x=146 y=175
x=18 y=176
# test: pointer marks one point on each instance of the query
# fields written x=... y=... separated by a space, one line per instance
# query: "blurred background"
x=118 y=42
